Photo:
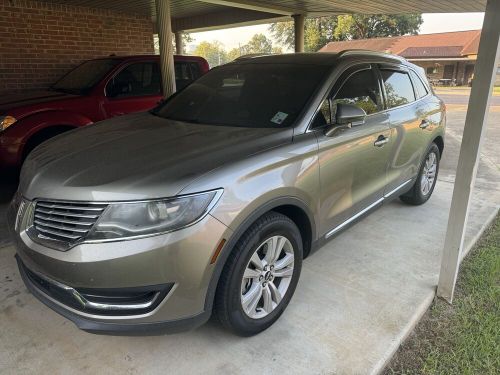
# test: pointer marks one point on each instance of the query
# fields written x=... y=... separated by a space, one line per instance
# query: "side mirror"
x=349 y=114
x=346 y=116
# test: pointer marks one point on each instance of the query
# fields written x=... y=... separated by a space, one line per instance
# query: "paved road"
x=461 y=97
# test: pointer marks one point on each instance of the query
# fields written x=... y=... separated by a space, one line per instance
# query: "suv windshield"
x=84 y=76
x=246 y=95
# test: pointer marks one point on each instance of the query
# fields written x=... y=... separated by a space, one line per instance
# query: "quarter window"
x=419 y=85
x=322 y=118
x=360 y=89
x=398 y=88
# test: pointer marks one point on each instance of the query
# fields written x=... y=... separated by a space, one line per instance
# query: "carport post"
x=166 y=47
x=475 y=123
x=298 y=23
x=179 y=44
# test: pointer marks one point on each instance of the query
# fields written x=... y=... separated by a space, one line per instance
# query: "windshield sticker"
x=279 y=117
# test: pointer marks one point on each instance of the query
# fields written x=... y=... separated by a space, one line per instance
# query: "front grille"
x=67 y=222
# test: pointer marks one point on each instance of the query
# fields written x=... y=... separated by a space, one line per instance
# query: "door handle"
x=381 y=140
x=424 y=124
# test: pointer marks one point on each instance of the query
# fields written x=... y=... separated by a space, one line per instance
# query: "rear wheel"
x=426 y=179
x=260 y=276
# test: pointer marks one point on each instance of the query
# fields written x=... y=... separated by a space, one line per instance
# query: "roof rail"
x=251 y=56
x=354 y=51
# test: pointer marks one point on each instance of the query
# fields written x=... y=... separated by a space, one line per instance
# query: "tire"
x=233 y=289
x=420 y=193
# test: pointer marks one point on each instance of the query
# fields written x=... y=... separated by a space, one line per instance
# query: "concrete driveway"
x=357 y=299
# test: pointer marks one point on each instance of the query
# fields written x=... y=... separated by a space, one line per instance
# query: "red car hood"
x=11 y=101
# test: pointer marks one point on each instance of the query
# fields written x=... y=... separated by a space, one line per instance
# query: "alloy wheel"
x=267 y=277
x=428 y=173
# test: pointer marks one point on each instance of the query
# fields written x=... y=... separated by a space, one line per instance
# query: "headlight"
x=6 y=121
x=135 y=219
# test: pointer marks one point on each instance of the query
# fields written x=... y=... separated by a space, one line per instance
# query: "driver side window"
x=362 y=90
x=139 y=79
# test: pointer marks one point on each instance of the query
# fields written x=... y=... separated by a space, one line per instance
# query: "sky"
x=433 y=23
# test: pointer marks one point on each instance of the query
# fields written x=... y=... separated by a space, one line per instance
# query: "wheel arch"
x=291 y=207
x=42 y=135
x=439 y=141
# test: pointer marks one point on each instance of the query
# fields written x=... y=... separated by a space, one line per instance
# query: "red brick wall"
x=40 y=41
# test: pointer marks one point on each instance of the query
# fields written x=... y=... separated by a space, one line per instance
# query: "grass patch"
x=463 y=338
x=496 y=89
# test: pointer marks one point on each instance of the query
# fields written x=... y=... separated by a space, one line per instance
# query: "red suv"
x=93 y=91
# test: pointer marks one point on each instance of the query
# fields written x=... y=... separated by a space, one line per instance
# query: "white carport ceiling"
x=187 y=8
x=201 y=15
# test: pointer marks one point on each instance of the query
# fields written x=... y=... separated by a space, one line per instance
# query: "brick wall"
x=40 y=41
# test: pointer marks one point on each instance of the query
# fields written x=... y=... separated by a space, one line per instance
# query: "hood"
x=139 y=156
x=11 y=101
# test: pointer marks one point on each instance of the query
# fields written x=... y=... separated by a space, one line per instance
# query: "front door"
x=353 y=161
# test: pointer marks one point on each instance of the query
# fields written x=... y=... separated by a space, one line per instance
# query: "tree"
x=234 y=54
x=213 y=52
x=186 y=38
x=374 y=26
x=319 y=31
x=258 y=44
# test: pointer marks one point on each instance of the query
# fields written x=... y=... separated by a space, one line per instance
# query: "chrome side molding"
x=366 y=209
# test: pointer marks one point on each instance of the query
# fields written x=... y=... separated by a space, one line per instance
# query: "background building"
x=448 y=58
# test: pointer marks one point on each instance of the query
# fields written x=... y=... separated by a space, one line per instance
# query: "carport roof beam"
x=475 y=124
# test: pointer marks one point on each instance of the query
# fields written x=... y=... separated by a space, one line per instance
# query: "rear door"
x=135 y=88
x=353 y=162
x=408 y=117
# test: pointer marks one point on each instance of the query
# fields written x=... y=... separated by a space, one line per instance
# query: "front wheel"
x=426 y=179
x=260 y=275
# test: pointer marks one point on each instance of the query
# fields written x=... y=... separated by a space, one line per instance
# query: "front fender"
x=36 y=122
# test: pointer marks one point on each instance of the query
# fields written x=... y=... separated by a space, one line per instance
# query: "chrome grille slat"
x=56 y=233
x=66 y=214
x=80 y=208
x=61 y=227
x=65 y=222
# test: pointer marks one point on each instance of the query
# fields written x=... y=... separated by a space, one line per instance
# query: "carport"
x=176 y=16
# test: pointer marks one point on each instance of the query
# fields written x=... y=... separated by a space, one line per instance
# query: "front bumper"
x=178 y=264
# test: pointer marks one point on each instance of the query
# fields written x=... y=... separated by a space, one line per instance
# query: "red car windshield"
x=84 y=76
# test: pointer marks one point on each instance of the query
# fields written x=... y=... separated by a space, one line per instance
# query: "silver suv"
x=209 y=203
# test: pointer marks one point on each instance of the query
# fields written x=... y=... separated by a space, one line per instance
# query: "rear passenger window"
x=419 y=85
x=398 y=88
x=195 y=70
x=360 y=89
x=183 y=75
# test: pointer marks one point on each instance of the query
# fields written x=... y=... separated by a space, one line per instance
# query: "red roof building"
x=448 y=58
